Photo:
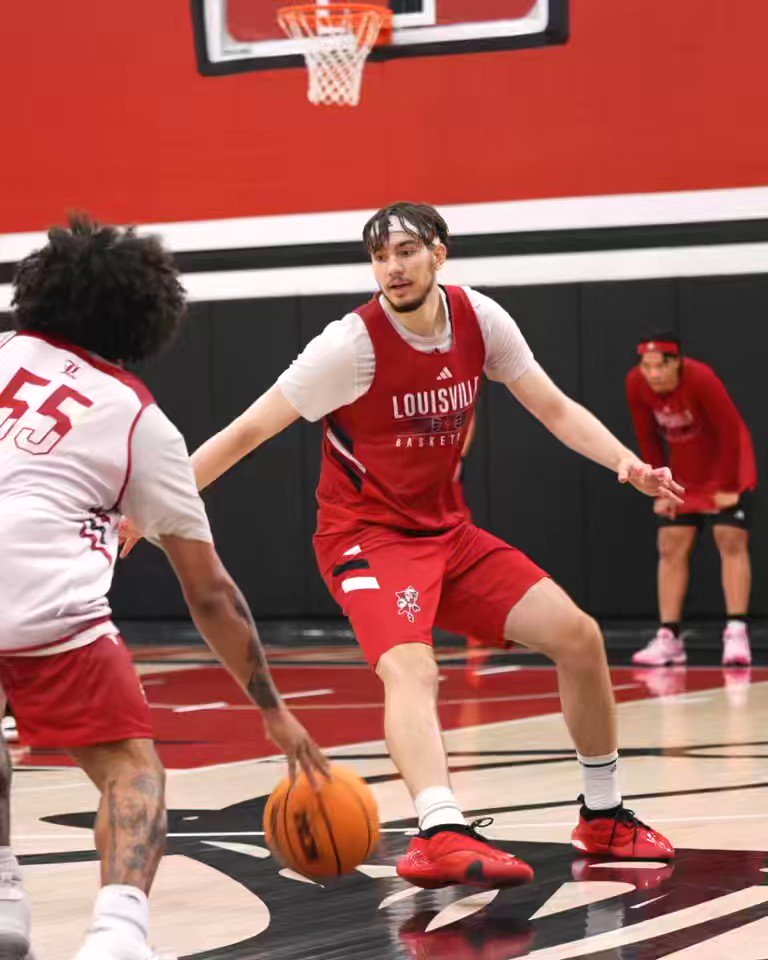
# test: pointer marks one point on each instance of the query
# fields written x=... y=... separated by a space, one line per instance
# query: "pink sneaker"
x=664 y=650
x=736 y=648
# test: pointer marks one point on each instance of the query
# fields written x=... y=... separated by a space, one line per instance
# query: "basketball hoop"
x=335 y=39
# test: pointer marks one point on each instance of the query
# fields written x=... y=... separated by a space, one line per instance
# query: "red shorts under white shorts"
x=395 y=587
x=79 y=698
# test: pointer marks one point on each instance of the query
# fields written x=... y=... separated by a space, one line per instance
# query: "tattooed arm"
x=222 y=616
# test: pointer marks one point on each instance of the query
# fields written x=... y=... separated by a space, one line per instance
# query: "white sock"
x=436 y=806
x=119 y=906
x=14 y=914
x=601 y=787
x=735 y=623
x=8 y=862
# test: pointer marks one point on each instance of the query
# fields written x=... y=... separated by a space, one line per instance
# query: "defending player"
x=395 y=384
x=685 y=417
x=80 y=440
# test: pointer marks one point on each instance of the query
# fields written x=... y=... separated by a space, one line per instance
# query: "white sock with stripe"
x=437 y=806
x=601 y=785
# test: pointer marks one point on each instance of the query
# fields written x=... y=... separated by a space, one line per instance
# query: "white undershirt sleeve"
x=334 y=369
x=507 y=354
x=161 y=495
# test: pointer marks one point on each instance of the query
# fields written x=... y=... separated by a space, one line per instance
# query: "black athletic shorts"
x=739 y=515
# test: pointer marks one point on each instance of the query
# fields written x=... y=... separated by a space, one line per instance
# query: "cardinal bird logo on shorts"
x=408 y=603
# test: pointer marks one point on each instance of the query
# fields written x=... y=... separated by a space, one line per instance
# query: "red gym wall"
x=104 y=109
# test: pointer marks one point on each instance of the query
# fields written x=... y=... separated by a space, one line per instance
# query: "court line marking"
x=648 y=902
x=487 y=671
x=660 y=818
x=61 y=786
x=182 y=836
x=555 y=715
x=404 y=830
x=195 y=707
x=555 y=695
x=307 y=693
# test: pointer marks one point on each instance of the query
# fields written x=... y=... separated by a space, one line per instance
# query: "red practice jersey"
x=392 y=457
x=697 y=431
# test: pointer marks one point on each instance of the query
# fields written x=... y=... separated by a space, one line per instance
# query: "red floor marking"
x=354 y=713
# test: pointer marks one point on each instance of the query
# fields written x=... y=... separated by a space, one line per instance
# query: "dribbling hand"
x=652 y=482
x=294 y=741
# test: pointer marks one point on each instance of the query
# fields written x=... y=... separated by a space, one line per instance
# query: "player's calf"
x=130 y=837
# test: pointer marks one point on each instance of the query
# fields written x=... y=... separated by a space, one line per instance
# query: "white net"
x=335 y=40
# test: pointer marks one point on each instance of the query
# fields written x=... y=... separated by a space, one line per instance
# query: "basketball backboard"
x=234 y=36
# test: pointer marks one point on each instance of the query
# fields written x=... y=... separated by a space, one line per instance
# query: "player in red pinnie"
x=395 y=384
x=684 y=417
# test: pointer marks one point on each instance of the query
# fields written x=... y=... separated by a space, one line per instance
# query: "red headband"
x=658 y=346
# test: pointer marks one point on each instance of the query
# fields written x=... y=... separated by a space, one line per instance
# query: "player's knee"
x=583 y=640
x=673 y=545
x=409 y=665
x=731 y=541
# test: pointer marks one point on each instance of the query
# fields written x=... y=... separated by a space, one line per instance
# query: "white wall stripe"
x=560 y=213
x=359 y=583
x=643 y=264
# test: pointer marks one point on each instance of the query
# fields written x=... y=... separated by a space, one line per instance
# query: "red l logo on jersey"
x=71 y=368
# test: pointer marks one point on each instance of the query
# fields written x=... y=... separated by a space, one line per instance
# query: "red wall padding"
x=104 y=109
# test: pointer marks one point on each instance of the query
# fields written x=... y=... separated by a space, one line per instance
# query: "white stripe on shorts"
x=359 y=583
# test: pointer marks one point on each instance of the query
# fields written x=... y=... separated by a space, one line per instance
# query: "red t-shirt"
x=697 y=431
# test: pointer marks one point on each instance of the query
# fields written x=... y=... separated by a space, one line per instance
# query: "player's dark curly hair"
x=102 y=288
x=418 y=219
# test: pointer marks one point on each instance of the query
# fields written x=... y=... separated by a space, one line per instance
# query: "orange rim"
x=334 y=13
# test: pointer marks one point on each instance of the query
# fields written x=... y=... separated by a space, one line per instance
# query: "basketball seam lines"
x=365 y=816
x=331 y=837
x=285 y=824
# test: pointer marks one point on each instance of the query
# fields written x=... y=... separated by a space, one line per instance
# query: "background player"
x=81 y=439
x=396 y=383
x=684 y=417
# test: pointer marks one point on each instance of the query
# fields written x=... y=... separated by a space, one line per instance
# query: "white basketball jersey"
x=67 y=424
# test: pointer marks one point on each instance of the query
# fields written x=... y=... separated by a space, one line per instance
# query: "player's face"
x=662 y=373
x=406 y=270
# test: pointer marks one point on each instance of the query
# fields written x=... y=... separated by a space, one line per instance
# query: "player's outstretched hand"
x=652 y=482
x=294 y=741
x=664 y=507
x=129 y=536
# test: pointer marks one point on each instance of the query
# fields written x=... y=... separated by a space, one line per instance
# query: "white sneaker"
x=736 y=649
x=14 y=918
x=664 y=650
x=116 y=945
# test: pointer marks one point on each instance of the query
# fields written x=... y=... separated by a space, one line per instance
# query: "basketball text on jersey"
x=433 y=417
x=677 y=425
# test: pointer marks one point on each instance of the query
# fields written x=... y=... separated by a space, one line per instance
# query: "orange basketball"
x=322 y=834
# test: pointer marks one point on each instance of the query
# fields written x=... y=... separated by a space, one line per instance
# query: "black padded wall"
x=595 y=537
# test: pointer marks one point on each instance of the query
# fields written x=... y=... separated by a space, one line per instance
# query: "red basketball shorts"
x=395 y=587
x=77 y=699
